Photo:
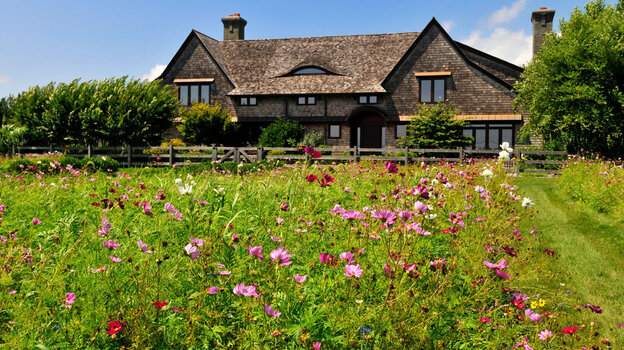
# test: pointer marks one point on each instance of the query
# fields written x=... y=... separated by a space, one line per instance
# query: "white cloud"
x=154 y=73
x=4 y=79
x=506 y=14
x=448 y=25
x=515 y=47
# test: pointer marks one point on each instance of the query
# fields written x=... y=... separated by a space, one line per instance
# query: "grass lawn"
x=589 y=247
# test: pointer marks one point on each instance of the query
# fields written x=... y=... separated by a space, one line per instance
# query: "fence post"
x=518 y=160
x=88 y=151
x=214 y=153
x=356 y=153
x=171 y=155
x=51 y=148
x=236 y=155
x=12 y=151
x=461 y=154
x=259 y=154
x=406 y=157
x=129 y=149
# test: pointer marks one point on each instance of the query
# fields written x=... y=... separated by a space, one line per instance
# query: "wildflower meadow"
x=302 y=256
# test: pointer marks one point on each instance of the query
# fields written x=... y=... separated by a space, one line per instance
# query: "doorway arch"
x=368 y=128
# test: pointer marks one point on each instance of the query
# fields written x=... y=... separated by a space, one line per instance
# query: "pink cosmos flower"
x=316 y=346
x=36 y=221
x=225 y=272
x=353 y=270
x=276 y=239
x=502 y=274
x=311 y=178
x=105 y=227
x=256 y=251
x=337 y=210
x=437 y=264
x=169 y=208
x=11 y=292
x=100 y=269
x=69 y=300
x=300 y=279
x=147 y=209
x=501 y=264
x=271 y=312
x=484 y=320
x=192 y=251
x=213 y=290
x=281 y=256
x=545 y=334
x=284 y=206
x=279 y=220
x=405 y=215
x=326 y=258
x=352 y=214
x=347 y=256
x=110 y=244
x=248 y=291
x=391 y=167
x=525 y=344
x=235 y=238
x=533 y=316
x=384 y=215
x=114 y=259
x=198 y=242
x=143 y=247
x=420 y=207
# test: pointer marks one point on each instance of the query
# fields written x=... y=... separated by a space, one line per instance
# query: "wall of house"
x=468 y=89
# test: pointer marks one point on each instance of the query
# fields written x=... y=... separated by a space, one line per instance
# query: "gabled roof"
x=358 y=63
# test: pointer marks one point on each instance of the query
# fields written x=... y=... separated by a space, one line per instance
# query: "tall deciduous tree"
x=436 y=127
x=574 y=87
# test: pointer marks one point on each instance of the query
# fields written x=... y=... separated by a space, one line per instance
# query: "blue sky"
x=43 y=41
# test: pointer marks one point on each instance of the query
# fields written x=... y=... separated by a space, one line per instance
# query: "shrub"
x=11 y=135
x=205 y=124
x=280 y=132
x=53 y=165
x=312 y=139
x=435 y=127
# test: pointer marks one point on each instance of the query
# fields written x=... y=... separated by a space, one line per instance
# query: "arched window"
x=310 y=70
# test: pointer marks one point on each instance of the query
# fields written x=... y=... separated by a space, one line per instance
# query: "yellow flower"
x=542 y=302
x=533 y=304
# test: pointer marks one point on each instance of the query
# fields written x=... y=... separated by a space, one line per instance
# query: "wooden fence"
x=128 y=156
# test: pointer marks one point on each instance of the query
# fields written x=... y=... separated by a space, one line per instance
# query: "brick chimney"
x=542 y=24
x=233 y=27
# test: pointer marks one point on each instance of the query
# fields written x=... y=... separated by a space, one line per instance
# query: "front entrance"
x=368 y=128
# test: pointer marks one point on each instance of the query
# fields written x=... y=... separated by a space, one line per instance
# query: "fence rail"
x=129 y=156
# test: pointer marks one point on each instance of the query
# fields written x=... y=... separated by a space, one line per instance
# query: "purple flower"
x=69 y=300
x=105 y=227
x=300 y=279
x=192 y=251
x=213 y=290
x=501 y=265
x=437 y=264
x=420 y=207
x=256 y=251
x=143 y=247
x=36 y=221
x=545 y=334
x=391 y=167
x=346 y=256
x=533 y=316
x=198 y=242
x=110 y=244
x=352 y=215
x=248 y=291
x=281 y=256
x=502 y=274
x=276 y=239
x=337 y=210
x=384 y=215
x=271 y=312
x=353 y=270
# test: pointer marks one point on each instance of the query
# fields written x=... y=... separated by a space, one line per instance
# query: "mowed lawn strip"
x=590 y=250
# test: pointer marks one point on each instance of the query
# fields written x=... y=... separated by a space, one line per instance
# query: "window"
x=432 y=90
x=248 y=101
x=309 y=70
x=190 y=93
x=334 y=131
x=490 y=135
x=364 y=99
x=306 y=100
x=401 y=131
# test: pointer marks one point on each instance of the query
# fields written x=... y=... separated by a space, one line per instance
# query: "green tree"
x=206 y=124
x=6 y=105
x=281 y=133
x=435 y=127
x=574 y=87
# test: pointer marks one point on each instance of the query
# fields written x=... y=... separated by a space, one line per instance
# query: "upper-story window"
x=432 y=89
x=306 y=100
x=193 y=92
x=249 y=101
x=309 y=70
x=367 y=99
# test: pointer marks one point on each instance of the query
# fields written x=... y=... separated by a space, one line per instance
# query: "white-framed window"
x=334 y=131
x=306 y=100
x=367 y=99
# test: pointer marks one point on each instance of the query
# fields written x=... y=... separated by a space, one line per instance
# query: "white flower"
x=503 y=155
x=527 y=202
x=505 y=147
x=221 y=189
x=185 y=189
x=189 y=176
x=434 y=182
x=431 y=216
x=240 y=164
x=103 y=158
x=487 y=173
x=177 y=181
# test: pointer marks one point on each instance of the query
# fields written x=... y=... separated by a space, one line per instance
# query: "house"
x=353 y=89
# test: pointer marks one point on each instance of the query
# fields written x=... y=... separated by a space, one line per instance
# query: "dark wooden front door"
x=370 y=136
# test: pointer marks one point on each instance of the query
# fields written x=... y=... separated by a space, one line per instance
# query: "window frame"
x=188 y=92
x=487 y=126
x=367 y=99
x=396 y=131
x=329 y=134
x=432 y=79
x=248 y=101
x=307 y=100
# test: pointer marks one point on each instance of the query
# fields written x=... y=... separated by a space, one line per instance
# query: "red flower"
x=160 y=304
x=311 y=178
x=570 y=330
x=311 y=152
x=115 y=327
x=327 y=180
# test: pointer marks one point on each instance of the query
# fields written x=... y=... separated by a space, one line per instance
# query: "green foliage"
x=11 y=135
x=574 y=87
x=281 y=133
x=312 y=139
x=110 y=112
x=435 y=127
x=6 y=104
x=58 y=164
x=205 y=124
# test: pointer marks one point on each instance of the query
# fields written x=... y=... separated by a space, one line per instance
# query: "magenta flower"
x=391 y=167
x=316 y=346
x=36 y=221
x=384 y=215
x=352 y=215
x=337 y=210
x=103 y=268
x=213 y=290
x=420 y=207
x=114 y=259
x=501 y=264
x=326 y=258
x=525 y=344
x=105 y=227
x=143 y=247
x=284 y=206
x=192 y=251
x=69 y=300
x=276 y=239
x=347 y=256
x=545 y=334
x=256 y=251
x=300 y=279
x=281 y=256
x=353 y=270
x=248 y=291
x=11 y=292
x=271 y=312
x=437 y=264
x=279 y=220
x=198 y=242
x=169 y=208
x=502 y=274
x=110 y=244
x=147 y=209
x=533 y=316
